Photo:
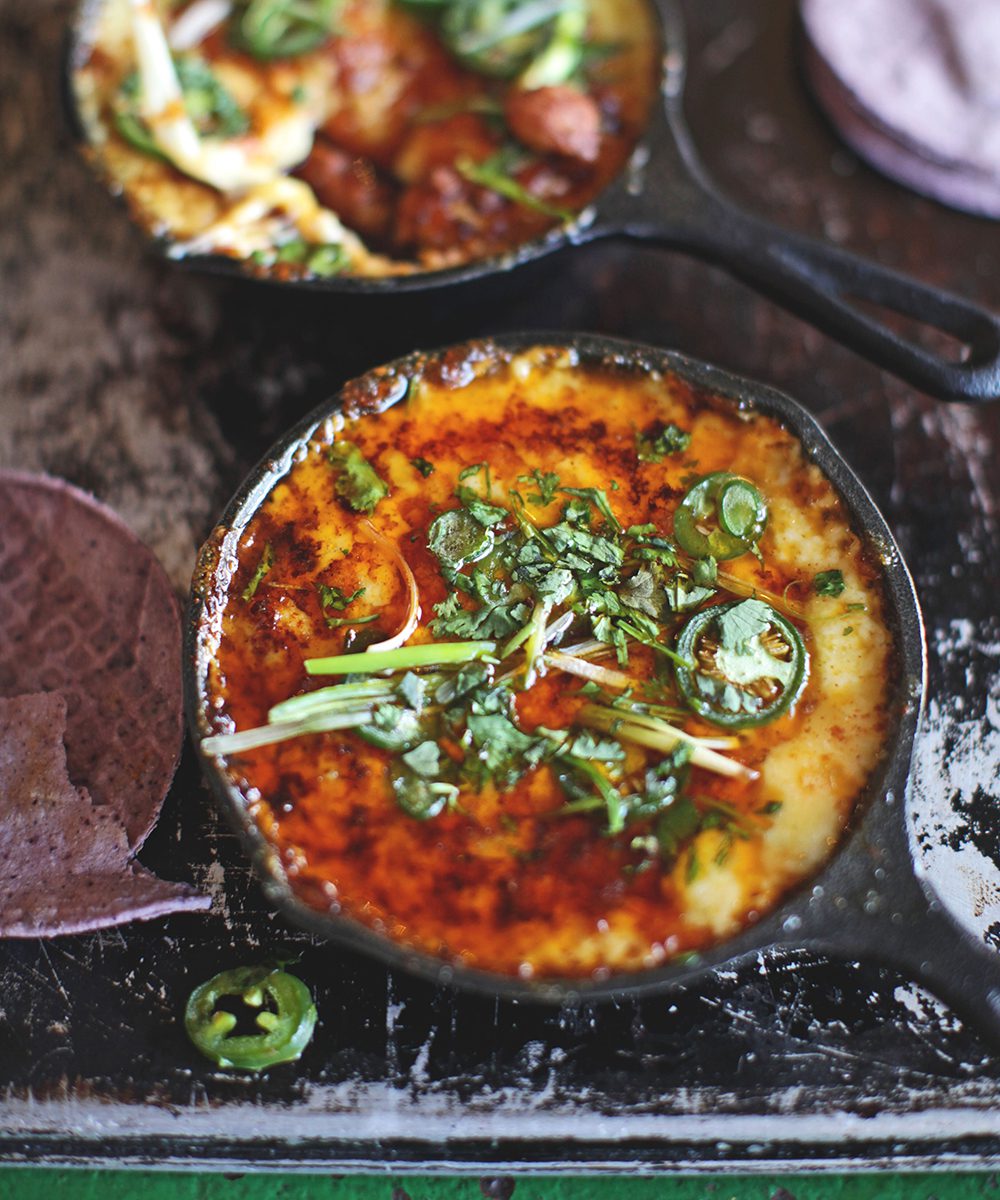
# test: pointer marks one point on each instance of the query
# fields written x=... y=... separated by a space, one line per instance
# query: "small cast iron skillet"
x=867 y=902
x=666 y=198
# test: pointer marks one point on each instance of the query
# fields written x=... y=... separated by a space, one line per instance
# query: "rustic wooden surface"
x=157 y=389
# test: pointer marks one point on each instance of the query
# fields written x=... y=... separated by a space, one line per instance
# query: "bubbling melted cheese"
x=498 y=884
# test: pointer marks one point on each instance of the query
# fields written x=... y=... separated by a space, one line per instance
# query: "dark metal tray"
x=157 y=390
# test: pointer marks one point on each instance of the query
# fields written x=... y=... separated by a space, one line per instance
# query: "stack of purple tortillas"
x=913 y=87
x=90 y=713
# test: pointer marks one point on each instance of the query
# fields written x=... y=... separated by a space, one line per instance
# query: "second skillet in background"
x=664 y=197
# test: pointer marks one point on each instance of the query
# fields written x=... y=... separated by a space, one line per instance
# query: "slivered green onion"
x=587 y=670
x=564 y=53
x=283 y=28
x=491 y=174
x=655 y=645
x=498 y=37
x=280 y=731
x=341 y=695
x=535 y=640
x=610 y=799
x=516 y=640
x=591 y=648
x=405 y=658
x=663 y=738
x=636 y=717
x=558 y=627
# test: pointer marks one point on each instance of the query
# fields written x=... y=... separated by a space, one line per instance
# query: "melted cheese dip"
x=389 y=114
x=499 y=883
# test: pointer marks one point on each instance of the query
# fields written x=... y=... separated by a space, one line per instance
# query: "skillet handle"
x=897 y=924
x=819 y=281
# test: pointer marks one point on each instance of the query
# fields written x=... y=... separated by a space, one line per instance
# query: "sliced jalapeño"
x=721 y=516
x=284 y=1014
x=750 y=664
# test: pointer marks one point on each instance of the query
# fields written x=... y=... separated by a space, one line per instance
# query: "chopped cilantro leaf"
x=607 y=750
x=742 y=623
x=829 y=583
x=678 y=825
x=581 y=550
x=358 y=483
x=599 y=500
x=547 y=484
x=392 y=728
x=642 y=592
x=424 y=760
x=454 y=620
x=655 y=443
x=556 y=585
x=741 y=657
x=333 y=597
x=265 y=564
x=504 y=752
x=412 y=689
x=457 y=538
x=486 y=514
x=420 y=797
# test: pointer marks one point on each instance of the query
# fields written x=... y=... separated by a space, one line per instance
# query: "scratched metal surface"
x=157 y=390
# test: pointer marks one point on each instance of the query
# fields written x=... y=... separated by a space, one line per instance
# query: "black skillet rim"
x=585 y=226
x=780 y=925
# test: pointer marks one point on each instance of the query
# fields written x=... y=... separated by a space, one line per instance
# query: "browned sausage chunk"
x=557 y=120
x=350 y=187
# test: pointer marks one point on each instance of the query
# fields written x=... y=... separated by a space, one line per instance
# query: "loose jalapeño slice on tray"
x=285 y=1015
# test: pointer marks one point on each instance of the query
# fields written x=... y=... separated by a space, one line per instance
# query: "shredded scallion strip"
x=280 y=731
x=588 y=670
x=405 y=658
x=664 y=738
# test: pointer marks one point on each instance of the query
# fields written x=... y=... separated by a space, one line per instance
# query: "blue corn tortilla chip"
x=65 y=863
x=86 y=610
x=912 y=86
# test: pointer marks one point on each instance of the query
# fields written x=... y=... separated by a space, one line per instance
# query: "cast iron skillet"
x=867 y=902
x=665 y=197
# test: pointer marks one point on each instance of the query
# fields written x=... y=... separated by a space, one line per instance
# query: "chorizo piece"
x=351 y=187
x=555 y=120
